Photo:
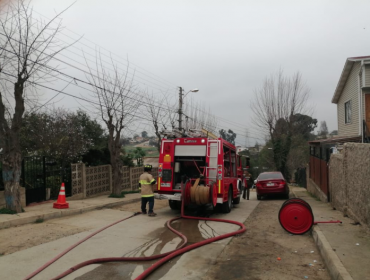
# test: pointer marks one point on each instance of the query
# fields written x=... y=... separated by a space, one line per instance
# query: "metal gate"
x=42 y=178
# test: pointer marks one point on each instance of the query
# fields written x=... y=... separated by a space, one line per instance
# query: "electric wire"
x=88 y=73
x=80 y=80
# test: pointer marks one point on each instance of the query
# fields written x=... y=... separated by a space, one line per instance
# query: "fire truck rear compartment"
x=187 y=167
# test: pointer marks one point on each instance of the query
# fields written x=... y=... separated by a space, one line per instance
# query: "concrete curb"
x=62 y=213
x=335 y=267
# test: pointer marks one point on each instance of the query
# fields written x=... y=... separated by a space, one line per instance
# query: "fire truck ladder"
x=212 y=154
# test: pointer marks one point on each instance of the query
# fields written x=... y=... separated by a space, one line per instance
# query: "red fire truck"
x=199 y=170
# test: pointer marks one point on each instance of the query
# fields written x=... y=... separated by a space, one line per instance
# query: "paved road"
x=139 y=236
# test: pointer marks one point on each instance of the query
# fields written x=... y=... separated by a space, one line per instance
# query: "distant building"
x=241 y=149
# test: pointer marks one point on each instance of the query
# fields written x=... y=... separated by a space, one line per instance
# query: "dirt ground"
x=26 y=236
x=254 y=255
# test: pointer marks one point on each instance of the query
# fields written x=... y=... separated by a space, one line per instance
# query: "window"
x=347 y=112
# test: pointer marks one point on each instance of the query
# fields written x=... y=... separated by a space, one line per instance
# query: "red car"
x=271 y=183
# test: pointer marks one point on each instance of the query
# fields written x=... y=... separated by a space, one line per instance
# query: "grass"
x=313 y=196
x=149 y=151
x=122 y=195
x=7 y=211
x=39 y=221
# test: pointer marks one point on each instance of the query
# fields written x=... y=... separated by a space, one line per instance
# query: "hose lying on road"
x=165 y=256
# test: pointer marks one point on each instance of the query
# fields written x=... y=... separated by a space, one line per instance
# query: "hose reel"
x=296 y=216
x=200 y=194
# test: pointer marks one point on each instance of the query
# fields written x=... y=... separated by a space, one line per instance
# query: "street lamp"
x=181 y=97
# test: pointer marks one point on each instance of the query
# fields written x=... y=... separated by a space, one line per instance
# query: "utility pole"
x=180 y=109
x=181 y=97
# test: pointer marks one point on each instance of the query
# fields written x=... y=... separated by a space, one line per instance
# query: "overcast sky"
x=224 y=48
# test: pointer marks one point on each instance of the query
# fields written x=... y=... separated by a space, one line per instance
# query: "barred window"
x=348 y=112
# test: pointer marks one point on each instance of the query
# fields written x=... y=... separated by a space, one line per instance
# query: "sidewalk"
x=46 y=211
x=344 y=247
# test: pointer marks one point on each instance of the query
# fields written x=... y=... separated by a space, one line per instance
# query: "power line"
x=88 y=73
x=77 y=79
x=88 y=46
x=92 y=102
x=100 y=88
x=105 y=50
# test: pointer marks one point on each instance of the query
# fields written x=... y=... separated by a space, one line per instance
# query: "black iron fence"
x=1 y=177
x=300 y=177
x=42 y=177
x=366 y=133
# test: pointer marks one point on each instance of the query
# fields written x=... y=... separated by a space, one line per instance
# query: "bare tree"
x=275 y=104
x=323 y=129
x=115 y=101
x=199 y=117
x=26 y=48
x=158 y=115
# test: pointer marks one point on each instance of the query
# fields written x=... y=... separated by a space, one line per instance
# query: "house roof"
x=344 y=76
x=336 y=140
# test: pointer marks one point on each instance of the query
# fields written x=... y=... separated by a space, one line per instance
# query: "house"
x=352 y=96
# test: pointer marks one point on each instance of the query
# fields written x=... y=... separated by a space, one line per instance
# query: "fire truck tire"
x=174 y=205
x=236 y=200
x=226 y=206
x=259 y=197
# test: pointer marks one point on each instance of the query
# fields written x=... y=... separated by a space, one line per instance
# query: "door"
x=367 y=114
x=41 y=173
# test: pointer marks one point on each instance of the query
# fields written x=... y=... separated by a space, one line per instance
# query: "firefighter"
x=146 y=184
x=248 y=184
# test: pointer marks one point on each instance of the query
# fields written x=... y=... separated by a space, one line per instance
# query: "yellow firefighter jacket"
x=147 y=184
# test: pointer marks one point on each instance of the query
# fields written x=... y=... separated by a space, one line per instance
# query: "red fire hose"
x=296 y=216
x=165 y=256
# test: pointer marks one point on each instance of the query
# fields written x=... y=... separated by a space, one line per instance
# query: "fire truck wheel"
x=259 y=197
x=236 y=200
x=226 y=206
x=174 y=205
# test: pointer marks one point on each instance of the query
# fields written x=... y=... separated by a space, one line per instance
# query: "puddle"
x=163 y=240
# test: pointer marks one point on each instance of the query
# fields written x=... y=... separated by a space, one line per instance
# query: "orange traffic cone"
x=61 y=202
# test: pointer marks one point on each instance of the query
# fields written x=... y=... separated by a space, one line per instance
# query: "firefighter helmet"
x=148 y=167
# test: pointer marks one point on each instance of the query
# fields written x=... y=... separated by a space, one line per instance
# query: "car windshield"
x=271 y=176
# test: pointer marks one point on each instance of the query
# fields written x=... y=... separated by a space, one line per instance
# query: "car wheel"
x=174 y=205
x=259 y=197
x=226 y=206
x=237 y=199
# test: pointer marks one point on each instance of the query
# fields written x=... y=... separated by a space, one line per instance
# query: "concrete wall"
x=97 y=180
x=349 y=181
x=23 y=198
x=337 y=189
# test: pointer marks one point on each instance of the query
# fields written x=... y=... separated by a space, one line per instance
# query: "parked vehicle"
x=271 y=183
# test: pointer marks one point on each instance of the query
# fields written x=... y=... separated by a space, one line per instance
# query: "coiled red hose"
x=165 y=256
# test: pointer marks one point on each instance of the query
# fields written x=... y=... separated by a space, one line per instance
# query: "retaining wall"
x=349 y=181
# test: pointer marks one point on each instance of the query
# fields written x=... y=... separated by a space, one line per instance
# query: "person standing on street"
x=146 y=184
x=248 y=184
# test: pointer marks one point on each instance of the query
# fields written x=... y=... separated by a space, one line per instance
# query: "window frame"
x=348 y=112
